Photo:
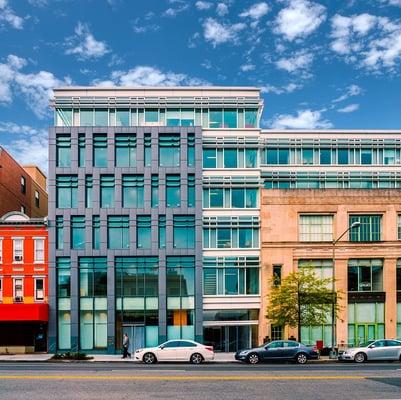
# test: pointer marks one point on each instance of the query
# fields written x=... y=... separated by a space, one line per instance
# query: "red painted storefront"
x=23 y=282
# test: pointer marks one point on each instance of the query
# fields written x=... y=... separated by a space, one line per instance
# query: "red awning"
x=24 y=312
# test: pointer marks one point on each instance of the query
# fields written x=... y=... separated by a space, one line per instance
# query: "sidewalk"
x=219 y=358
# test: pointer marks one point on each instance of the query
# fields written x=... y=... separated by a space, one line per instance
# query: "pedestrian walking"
x=126 y=344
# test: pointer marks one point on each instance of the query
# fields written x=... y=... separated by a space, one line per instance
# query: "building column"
x=390 y=288
x=341 y=268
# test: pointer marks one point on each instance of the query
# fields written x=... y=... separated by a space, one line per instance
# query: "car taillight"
x=314 y=348
x=210 y=348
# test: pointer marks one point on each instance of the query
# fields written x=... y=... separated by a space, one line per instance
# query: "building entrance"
x=230 y=338
x=136 y=334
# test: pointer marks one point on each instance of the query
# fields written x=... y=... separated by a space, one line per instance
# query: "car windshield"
x=366 y=344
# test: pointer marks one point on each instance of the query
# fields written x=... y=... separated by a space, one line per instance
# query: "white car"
x=384 y=349
x=176 y=350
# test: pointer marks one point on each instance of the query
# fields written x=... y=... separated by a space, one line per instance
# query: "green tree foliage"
x=302 y=298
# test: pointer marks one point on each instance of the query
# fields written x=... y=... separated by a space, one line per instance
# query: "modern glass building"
x=154 y=210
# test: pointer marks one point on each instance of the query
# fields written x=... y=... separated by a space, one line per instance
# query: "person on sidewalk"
x=126 y=343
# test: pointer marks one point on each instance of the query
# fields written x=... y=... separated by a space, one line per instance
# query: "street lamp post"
x=333 y=353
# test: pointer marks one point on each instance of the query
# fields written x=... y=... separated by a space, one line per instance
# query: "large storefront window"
x=365 y=275
x=93 y=302
x=365 y=322
x=180 y=297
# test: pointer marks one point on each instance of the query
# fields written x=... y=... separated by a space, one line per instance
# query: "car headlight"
x=243 y=352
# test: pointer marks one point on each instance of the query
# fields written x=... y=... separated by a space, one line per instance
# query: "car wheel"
x=196 y=358
x=301 y=358
x=149 y=358
x=360 y=357
x=253 y=358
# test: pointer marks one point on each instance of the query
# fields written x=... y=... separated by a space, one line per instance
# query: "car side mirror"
x=372 y=346
x=161 y=347
x=266 y=347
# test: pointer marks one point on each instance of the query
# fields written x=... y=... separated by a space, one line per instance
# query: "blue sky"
x=320 y=63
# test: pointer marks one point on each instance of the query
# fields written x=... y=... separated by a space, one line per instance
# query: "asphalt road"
x=42 y=381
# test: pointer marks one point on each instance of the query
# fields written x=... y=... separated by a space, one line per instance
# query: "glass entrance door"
x=228 y=338
x=136 y=334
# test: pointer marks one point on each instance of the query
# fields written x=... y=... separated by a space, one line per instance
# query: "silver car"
x=383 y=349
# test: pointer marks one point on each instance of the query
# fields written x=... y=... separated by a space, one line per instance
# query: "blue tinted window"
x=342 y=156
x=325 y=156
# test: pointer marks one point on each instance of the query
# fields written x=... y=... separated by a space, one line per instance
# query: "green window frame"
x=369 y=229
x=107 y=189
x=63 y=150
x=118 y=236
x=125 y=151
x=184 y=231
x=133 y=191
x=78 y=232
x=67 y=191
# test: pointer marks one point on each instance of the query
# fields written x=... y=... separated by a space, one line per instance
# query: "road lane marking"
x=180 y=378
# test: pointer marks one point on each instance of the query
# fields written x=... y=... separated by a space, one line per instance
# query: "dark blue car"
x=278 y=350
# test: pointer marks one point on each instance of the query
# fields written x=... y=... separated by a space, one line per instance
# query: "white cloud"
x=351 y=91
x=349 y=109
x=28 y=145
x=299 y=19
x=217 y=33
x=7 y=15
x=305 y=119
x=203 y=5
x=36 y=88
x=396 y=3
x=291 y=87
x=84 y=45
x=173 y=12
x=247 y=67
x=38 y=3
x=368 y=41
x=300 y=61
x=143 y=75
x=221 y=9
x=256 y=11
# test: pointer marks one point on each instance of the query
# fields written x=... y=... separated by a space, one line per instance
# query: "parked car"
x=384 y=349
x=279 y=350
x=176 y=350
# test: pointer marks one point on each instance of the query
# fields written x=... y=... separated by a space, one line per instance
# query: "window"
x=144 y=231
x=187 y=117
x=251 y=118
x=106 y=191
x=244 y=198
x=63 y=150
x=18 y=290
x=23 y=209
x=184 y=231
x=191 y=190
x=173 y=117
x=86 y=117
x=399 y=226
x=315 y=228
x=67 y=191
x=99 y=150
x=152 y=115
x=63 y=265
x=162 y=231
x=78 y=232
x=251 y=158
x=154 y=191
x=277 y=275
x=122 y=117
x=101 y=117
x=96 y=232
x=1 y=250
x=325 y=156
x=39 y=289
x=18 y=250
x=23 y=185
x=365 y=275
x=59 y=232
x=369 y=229
x=191 y=150
x=118 y=232
x=230 y=158
x=389 y=156
x=39 y=250
x=230 y=118
x=125 y=151
x=63 y=117
x=88 y=191
x=37 y=199
x=399 y=276
x=169 y=150
x=342 y=156
x=231 y=276
x=173 y=190
x=133 y=191
x=92 y=276
x=366 y=156
x=307 y=156
x=277 y=156
x=215 y=118
x=277 y=332
x=209 y=158
x=147 y=150
x=81 y=150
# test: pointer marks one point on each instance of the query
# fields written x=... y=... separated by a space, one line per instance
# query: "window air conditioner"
x=17 y=258
x=19 y=299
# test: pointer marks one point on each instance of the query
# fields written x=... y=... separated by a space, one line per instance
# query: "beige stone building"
x=298 y=228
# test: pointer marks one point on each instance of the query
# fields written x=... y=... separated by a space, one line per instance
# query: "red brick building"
x=21 y=188
x=23 y=283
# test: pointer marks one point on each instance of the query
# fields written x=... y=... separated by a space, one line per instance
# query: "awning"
x=24 y=312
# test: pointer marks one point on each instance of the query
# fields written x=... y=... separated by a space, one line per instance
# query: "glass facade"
x=118 y=236
x=125 y=150
x=133 y=191
x=369 y=229
x=230 y=198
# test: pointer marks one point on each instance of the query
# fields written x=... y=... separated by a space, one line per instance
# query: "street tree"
x=302 y=298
